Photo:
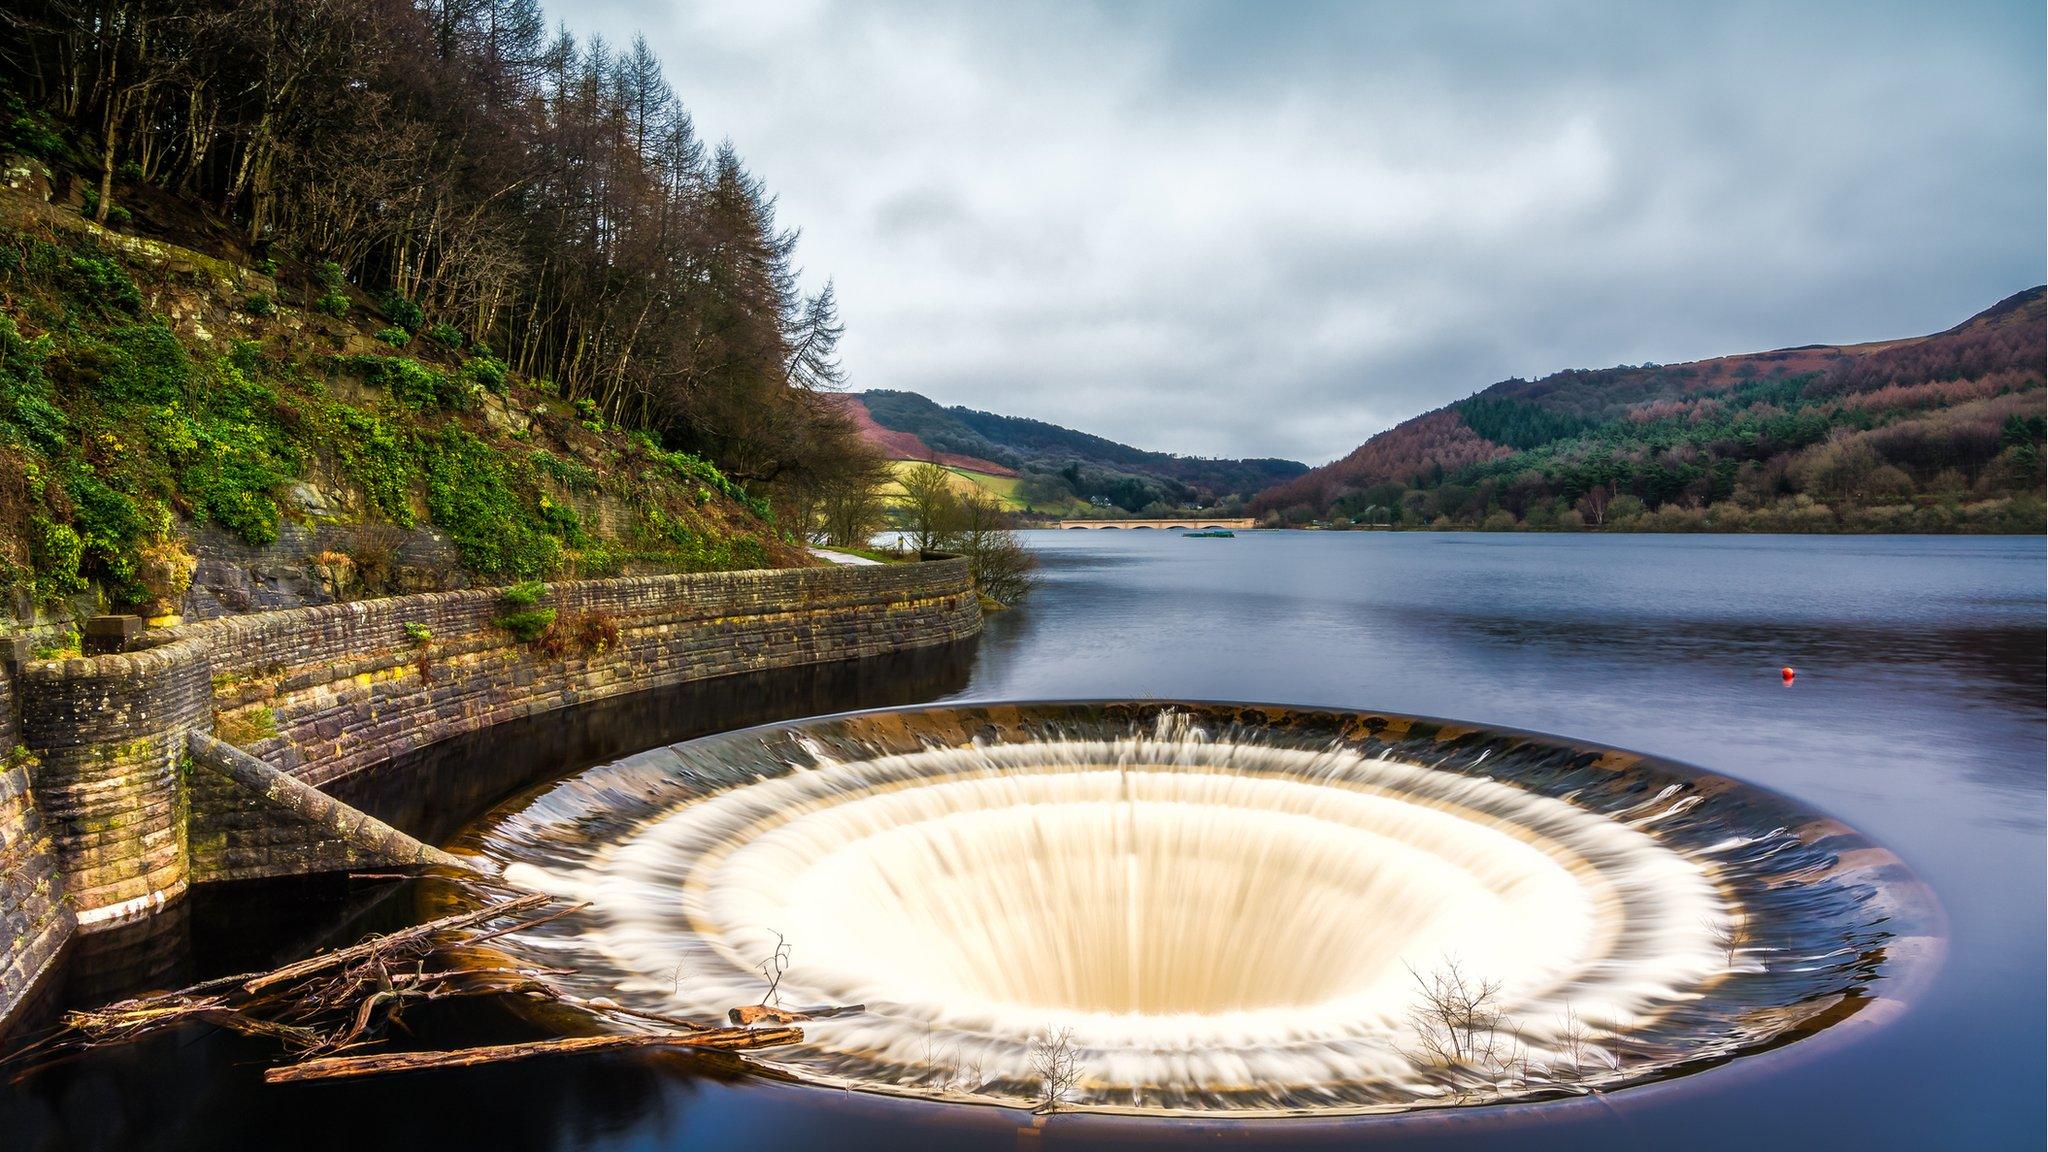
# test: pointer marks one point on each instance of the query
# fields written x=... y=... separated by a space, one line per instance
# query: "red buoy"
x=1787 y=674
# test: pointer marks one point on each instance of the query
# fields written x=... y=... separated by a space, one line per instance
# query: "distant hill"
x=898 y=445
x=1060 y=465
x=1932 y=433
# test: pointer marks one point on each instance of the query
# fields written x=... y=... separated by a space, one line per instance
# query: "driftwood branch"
x=418 y=934
x=324 y=1009
x=750 y=1014
x=344 y=1067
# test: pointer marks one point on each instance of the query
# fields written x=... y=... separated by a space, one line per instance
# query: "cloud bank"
x=1275 y=229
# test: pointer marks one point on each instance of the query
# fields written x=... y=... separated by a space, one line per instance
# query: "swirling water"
x=1222 y=909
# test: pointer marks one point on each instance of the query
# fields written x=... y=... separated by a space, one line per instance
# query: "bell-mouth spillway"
x=1196 y=908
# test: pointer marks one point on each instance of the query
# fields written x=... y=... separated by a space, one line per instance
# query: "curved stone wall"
x=109 y=732
x=324 y=692
x=34 y=919
x=347 y=686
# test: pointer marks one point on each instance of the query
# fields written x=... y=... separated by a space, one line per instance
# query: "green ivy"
x=113 y=424
x=524 y=594
x=138 y=363
x=528 y=625
x=100 y=283
x=414 y=385
x=377 y=458
x=107 y=521
x=27 y=414
x=31 y=131
x=240 y=455
x=57 y=553
x=487 y=372
x=403 y=313
x=470 y=496
x=698 y=470
x=570 y=474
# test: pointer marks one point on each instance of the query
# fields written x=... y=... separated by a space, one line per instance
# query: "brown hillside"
x=907 y=446
x=1993 y=354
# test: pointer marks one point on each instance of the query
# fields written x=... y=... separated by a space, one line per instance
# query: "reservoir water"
x=1916 y=716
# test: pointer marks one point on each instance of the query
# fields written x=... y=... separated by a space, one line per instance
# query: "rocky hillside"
x=1929 y=434
x=186 y=431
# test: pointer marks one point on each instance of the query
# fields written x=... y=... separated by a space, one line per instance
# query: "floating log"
x=749 y=1014
x=345 y=1067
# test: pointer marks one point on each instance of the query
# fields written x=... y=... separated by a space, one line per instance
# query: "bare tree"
x=943 y=1074
x=1058 y=1065
x=1614 y=1037
x=1593 y=505
x=1729 y=936
x=997 y=561
x=772 y=969
x=850 y=509
x=1457 y=1021
x=1574 y=1044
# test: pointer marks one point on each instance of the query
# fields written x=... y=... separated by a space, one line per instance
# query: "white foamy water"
x=1230 y=925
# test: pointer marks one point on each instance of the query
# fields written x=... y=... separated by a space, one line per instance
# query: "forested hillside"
x=896 y=444
x=272 y=267
x=1933 y=434
x=1059 y=464
x=544 y=198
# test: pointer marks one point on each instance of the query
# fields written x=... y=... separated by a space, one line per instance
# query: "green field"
x=965 y=482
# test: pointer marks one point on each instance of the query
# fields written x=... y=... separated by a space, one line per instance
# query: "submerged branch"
x=389 y=942
x=347 y=999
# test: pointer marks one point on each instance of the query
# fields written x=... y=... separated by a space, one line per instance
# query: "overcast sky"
x=1255 y=229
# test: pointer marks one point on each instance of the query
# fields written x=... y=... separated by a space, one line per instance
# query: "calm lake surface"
x=1917 y=717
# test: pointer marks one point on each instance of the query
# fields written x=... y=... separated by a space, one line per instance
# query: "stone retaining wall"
x=346 y=686
x=34 y=919
x=109 y=732
x=327 y=691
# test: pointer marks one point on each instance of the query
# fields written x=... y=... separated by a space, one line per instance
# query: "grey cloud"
x=1273 y=229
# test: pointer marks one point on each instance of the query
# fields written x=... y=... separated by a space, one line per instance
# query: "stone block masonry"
x=108 y=733
x=34 y=918
x=108 y=812
x=345 y=686
x=270 y=823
